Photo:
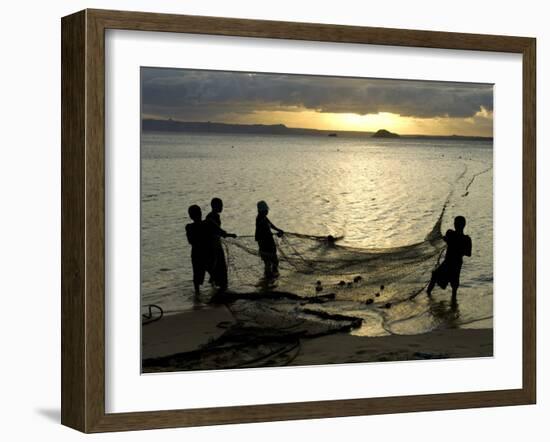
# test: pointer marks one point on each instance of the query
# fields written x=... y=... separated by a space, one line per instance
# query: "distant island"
x=150 y=125
x=157 y=125
x=383 y=133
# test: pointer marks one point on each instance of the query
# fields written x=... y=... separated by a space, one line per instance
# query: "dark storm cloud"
x=205 y=94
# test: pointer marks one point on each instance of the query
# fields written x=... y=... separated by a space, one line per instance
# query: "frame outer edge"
x=196 y=24
x=95 y=222
x=83 y=217
x=529 y=221
x=73 y=256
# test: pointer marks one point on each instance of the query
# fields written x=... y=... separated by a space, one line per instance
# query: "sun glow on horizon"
x=370 y=122
x=479 y=125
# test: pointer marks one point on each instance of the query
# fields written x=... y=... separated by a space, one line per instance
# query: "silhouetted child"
x=219 y=266
x=198 y=237
x=266 y=243
x=458 y=246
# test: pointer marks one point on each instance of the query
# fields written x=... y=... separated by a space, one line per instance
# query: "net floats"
x=349 y=284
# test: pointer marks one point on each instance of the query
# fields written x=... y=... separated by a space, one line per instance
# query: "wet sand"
x=170 y=343
x=438 y=344
x=184 y=332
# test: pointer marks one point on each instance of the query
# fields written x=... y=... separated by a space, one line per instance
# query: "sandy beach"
x=212 y=338
x=439 y=344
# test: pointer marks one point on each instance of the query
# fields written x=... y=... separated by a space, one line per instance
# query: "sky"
x=318 y=102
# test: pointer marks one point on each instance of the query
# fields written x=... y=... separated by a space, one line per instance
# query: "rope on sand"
x=149 y=316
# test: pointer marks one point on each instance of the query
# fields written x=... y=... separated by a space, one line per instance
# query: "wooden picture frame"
x=83 y=220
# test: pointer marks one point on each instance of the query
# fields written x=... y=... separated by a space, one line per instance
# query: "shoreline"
x=202 y=340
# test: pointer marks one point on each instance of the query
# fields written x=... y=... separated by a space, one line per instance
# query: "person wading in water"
x=198 y=237
x=219 y=265
x=266 y=243
x=458 y=246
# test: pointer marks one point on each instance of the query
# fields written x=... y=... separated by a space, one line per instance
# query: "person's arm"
x=219 y=231
x=188 y=234
x=468 y=247
x=274 y=227
x=216 y=229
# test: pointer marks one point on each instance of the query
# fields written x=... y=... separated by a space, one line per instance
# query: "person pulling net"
x=266 y=244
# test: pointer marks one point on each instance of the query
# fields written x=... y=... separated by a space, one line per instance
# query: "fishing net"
x=318 y=265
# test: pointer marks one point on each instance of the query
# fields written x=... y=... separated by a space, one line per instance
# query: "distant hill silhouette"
x=150 y=125
x=156 y=125
x=383 y=133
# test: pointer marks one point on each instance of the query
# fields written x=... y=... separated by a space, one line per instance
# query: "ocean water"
x=383 y=197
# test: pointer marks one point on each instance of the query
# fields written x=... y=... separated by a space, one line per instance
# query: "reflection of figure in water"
x=198 y=237
x=219 y=266
x=443 y=315
x=266 y=244
x=458 y=245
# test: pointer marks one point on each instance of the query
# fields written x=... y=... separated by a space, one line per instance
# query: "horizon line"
x=316 y=129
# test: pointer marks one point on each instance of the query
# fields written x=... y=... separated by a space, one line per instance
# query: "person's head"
x=263 y=208
x=217 y=205
x=460 y=223
x=195 y=213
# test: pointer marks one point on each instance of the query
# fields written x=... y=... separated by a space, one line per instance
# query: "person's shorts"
x=199 y=268
x=268 y=251
x=447 y=273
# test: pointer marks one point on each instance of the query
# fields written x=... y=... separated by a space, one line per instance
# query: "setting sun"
x=368 y=123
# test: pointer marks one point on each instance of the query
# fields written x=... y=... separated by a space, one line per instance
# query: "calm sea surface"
x=376 y=193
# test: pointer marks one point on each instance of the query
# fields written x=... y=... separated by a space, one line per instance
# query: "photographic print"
x=298 y=220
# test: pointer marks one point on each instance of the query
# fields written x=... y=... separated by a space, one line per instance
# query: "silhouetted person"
x=458 y=246
x=219 y=266
x=198 y=237
x=266 y=243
